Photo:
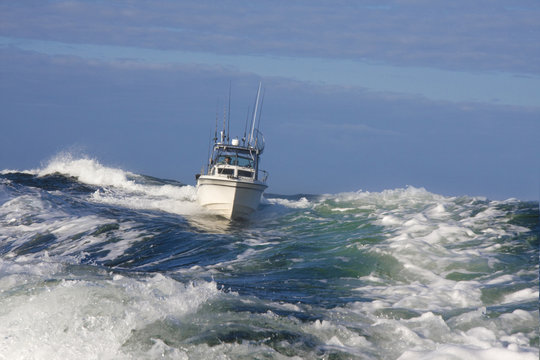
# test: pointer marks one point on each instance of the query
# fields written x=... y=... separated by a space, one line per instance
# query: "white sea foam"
x=295 y=204
x=451 y=352
x=19 y=271
x=28 y=217
x=338 y=337
x=469 y=335
x=89 y=318
x=437 y=240
x=11 y=171
x=123 y=188
x=527 y=294
x=88 y=171
x=168 y=198
x=428 y=235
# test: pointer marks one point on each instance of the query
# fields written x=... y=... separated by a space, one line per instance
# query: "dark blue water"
x=99 y=263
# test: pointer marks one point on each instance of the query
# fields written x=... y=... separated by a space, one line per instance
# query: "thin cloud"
x=480 y=35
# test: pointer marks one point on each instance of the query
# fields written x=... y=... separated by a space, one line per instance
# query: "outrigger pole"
x=255 y=114
x=260 y=110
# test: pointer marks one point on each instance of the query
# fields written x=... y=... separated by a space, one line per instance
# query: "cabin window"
x=245 y=162
x=226 y=171
x=234 y=159
x=245 y=173
x=226 y=159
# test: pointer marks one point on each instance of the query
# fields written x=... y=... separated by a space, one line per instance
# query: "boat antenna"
x=255 y=114
x=208 y=156
x=223 y=135
x=245 y=127
x=215 y=131
x=229 y=112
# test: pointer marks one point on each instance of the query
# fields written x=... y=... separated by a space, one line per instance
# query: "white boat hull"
x=230 y=198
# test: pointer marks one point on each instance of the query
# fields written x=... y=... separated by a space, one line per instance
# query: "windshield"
x=234 y=158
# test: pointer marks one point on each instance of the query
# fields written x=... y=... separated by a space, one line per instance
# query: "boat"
x=232 y=184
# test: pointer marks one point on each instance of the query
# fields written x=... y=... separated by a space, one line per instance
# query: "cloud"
x=464 y=35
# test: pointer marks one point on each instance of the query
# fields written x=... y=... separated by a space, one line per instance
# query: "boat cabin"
x=234 y=161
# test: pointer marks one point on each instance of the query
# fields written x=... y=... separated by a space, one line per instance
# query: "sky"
x=359 y=95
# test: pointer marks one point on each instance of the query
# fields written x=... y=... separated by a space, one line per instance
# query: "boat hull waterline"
x=230 y=198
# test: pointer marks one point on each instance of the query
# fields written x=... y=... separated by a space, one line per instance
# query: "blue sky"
x=359 y=95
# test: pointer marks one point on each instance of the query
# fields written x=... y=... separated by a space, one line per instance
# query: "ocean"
x=100 y=263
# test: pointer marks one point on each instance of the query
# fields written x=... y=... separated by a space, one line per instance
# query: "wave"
x=109 y=262
x=116 y=185
x=97 y=315
x=124 y=188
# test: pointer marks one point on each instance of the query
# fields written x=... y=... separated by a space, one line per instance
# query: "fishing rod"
x=245 y=127
x=229 y=113
x=223 y=134
x=217 y=115
x=208 y=156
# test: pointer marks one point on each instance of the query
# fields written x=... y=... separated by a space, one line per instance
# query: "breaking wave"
x=98 y=262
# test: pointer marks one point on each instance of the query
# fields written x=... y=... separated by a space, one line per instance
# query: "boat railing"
x=264 y=175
